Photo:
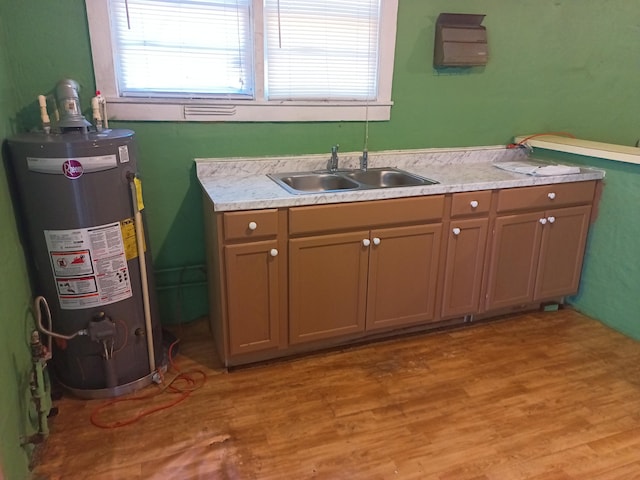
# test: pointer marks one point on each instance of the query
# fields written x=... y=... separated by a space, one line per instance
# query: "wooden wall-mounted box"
x=460 y=41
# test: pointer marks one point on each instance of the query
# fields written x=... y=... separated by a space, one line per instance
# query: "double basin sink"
x=325 y=181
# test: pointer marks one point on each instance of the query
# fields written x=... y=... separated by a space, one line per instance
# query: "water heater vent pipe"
x=69 y=105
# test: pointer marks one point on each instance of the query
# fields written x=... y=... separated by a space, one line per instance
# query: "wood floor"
x=550 y=395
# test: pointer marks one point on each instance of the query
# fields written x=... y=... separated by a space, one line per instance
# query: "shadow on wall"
x=27 y=119
x=179 y=264
x=20 y=224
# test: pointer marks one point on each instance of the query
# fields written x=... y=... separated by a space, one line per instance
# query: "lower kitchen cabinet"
x=246 y=262
x=327 y=286
x=252 y=296
x=514 y=260
x=362 y=266
x=536 y=256
x=403 y=273
x=464 y=267
x=347 y=283
x=564 y=238
x=295 y=279
x=464 y=254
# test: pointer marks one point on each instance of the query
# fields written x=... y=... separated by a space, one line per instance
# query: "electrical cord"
x=522 y=142
x=183 y=384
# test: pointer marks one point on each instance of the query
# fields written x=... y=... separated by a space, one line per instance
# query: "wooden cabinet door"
x=403 y=272
x=252 y=296
x=327 y=286
x=466 y=242
x=514 y=260
x=561 y=252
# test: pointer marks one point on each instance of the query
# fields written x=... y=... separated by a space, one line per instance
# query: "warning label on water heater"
x=89 y=266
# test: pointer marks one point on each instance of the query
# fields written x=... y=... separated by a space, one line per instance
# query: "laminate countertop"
x=242 y=183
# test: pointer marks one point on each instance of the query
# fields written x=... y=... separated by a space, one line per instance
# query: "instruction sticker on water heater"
x=89 y=266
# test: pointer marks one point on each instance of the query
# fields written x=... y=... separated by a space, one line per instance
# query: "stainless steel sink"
x=387 y=177
x=314 y=182
x=347 y=180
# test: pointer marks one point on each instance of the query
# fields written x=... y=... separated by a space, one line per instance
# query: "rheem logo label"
x=72 y=169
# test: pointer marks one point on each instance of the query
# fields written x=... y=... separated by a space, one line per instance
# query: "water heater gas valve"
x=101 y=328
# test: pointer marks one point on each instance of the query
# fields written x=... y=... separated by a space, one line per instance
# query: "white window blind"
x=244 y=60
x=322 y=49
x=192 y=48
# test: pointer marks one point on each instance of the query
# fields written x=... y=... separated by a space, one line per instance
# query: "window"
x=244 y=60
x=182 y=48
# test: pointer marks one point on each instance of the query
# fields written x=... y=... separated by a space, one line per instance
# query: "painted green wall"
x=609 y=287
x=15 y=321
x=554 y=65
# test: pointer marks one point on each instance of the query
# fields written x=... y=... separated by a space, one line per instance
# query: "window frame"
x=258 y=109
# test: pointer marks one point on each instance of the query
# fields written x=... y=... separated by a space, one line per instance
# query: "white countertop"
x=242 y=183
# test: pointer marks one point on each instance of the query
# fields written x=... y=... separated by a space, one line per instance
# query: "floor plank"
x=547 y=395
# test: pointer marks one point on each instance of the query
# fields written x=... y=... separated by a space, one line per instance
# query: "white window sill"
x=229 y=111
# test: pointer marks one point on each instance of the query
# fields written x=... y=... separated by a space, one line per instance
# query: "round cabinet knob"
x=253 y=225
x=474 y=204
x=366 y=242
x=551 y=219
x=551 y=195
x=543 y=221
x=376 y=241
x=274 y=252
x=456 y=231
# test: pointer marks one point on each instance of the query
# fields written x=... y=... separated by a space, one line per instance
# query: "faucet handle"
x=364 y=160
x=333 y=161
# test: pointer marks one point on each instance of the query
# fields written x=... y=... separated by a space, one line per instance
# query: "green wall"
x=15 y=321
x=609 y=286
x=554 y=65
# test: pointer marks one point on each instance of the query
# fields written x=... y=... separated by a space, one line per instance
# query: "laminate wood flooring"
x=547 y=395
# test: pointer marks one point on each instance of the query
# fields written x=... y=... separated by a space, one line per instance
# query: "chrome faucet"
x=333 y=161
x=364 y=160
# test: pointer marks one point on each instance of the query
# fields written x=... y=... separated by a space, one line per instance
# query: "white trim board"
x=607 y=151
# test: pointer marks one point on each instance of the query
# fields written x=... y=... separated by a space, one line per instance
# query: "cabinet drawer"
x=250 y=224
x=546 y=196
x=321 y=218
x=470 y=203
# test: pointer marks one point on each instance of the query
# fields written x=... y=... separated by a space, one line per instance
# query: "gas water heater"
x=82 y=210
